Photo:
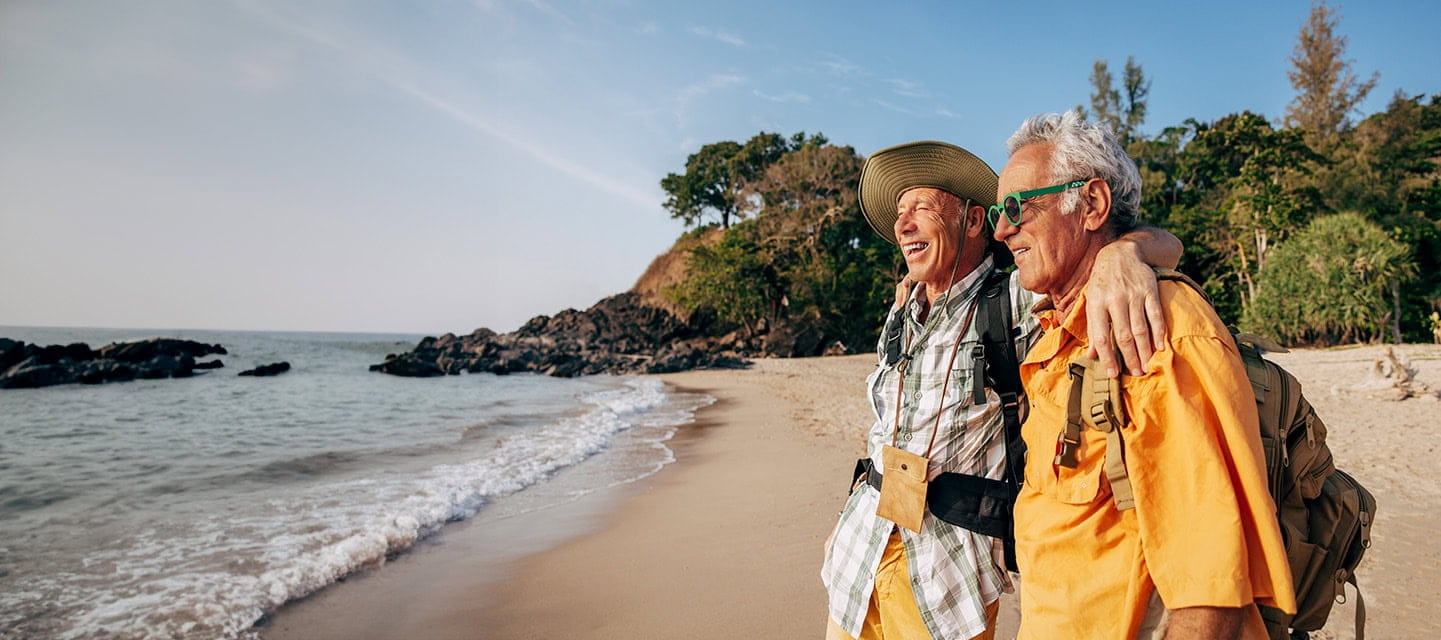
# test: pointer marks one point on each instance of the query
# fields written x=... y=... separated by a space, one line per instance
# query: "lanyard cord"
x=901 y=382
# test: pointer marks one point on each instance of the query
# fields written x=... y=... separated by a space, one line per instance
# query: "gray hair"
x=1085 y=150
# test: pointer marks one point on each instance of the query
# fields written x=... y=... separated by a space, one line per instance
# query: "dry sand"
x=727 y=541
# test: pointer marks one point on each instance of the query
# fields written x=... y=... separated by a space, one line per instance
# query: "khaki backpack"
x=1325 y=515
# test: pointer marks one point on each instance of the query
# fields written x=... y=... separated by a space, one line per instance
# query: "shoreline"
x=650 y=554
x=426 y=590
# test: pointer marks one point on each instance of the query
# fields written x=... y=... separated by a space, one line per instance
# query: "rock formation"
x=619 y=334
x=273 y=369
x=30 y=365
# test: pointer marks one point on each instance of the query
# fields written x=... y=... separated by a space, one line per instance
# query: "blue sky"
x=439 y=166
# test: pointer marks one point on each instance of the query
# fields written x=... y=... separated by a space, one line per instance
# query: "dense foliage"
x=806 y=257
x=1334 y=281
x=1252 y=199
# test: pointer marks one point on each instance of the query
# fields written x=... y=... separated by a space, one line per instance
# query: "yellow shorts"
x=893 y=614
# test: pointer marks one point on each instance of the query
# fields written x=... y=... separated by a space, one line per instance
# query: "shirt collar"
x=960 y=292
x=1073 y=327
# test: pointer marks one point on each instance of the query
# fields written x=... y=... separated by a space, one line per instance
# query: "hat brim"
x=892 y=171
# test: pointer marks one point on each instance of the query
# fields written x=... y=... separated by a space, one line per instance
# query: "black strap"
x=996 y=327
x=865 y=467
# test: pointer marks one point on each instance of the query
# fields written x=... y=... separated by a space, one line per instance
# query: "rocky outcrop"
x=30 y=365
x=619 y=334
x=273 y=369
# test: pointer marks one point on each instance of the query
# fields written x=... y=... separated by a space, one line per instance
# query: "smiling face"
x=929 y=228
x=1050 y=247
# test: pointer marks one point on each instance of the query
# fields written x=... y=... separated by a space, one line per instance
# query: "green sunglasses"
x=1010 y=205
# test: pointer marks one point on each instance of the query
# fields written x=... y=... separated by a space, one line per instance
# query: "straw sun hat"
x=891 y=171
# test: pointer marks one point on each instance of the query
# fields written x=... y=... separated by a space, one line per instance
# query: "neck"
x=964 y=268
x=1065 y=296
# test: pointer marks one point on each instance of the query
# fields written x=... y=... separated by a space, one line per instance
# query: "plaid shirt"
x=954 y=572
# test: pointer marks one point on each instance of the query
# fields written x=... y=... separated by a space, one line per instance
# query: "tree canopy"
x=717 y=176
x=1123 y=111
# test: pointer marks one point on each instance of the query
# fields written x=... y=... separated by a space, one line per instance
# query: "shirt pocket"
x=960 y=388
x=1080 y=485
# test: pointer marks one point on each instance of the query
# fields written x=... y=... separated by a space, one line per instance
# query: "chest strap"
x=1095 y=403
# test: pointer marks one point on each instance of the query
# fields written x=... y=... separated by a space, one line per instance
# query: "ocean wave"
x=213 y=575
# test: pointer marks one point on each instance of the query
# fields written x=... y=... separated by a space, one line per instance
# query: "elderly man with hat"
x=893 y=569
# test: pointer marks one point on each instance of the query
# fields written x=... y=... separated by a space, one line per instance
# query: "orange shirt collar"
x=1073 y=327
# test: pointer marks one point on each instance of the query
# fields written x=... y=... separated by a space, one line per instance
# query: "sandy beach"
x=726 y=542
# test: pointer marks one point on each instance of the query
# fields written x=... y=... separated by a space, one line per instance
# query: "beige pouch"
x=903 y=487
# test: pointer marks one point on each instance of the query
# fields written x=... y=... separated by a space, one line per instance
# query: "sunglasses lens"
x=1013 y=210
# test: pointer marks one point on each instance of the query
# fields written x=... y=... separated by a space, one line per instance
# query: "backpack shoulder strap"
x=1095 y=403
x=1173 y=275
x=997 y=366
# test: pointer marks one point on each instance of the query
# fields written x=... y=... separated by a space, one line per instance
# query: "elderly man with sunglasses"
x=1187 y=531
x=892 y=569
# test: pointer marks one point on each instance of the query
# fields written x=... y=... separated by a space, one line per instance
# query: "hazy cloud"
x=647 y=28
x=790 y=97
x=893 y=107
x=544 y=7
x=718 y=34
x=907 y=89
x=843 y=67
x=713 y=83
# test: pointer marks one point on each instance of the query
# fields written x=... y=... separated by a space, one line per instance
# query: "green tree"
x=1122 y=111
x=1386 y=168
x=733 y=278
x=1337 y=280
x=718 y=178
x=807 y=255
x=1238 y=194
x=709 y=185
x=1327 y=89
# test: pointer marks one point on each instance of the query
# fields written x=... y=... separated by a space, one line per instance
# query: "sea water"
x=190 y=508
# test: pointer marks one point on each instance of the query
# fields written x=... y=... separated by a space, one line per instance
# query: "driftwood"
x=1393 y=378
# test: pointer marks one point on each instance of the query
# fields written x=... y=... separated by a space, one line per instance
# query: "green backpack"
x=1325 y=515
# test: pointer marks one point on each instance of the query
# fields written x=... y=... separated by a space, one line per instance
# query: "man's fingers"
x=1144 y=347
x=1126 y=344
x=1156 y=317
x=1100 y=333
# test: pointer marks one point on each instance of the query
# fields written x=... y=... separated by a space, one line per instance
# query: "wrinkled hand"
x=1122 y=301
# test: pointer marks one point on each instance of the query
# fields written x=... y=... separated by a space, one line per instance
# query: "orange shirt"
x=1204 y=529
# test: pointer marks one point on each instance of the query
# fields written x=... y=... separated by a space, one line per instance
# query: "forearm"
x=1205 y=623
x=1153 y=246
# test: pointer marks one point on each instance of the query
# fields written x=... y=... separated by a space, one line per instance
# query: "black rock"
x=11 y=353
x=273 y=369
x=619 y=334
x=31 y=373
x=28 y=365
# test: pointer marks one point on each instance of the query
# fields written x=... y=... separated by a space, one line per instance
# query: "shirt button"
x=918 y=395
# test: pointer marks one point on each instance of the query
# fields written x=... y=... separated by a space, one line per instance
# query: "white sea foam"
x=213 y=573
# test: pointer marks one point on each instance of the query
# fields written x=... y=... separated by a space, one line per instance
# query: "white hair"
x=1085 y=150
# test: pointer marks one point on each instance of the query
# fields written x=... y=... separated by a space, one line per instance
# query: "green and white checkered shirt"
x=955 y=573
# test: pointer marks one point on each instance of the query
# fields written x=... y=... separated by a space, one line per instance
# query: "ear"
x=975 y=221
x=1095 y=204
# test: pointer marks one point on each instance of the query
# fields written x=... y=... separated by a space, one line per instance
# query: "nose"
x=904 y=222
x=1004 y=229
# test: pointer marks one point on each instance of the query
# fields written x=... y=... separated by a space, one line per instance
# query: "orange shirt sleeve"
x=1206 y=520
